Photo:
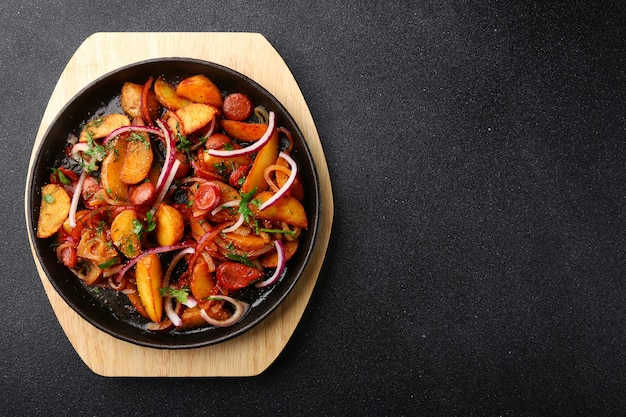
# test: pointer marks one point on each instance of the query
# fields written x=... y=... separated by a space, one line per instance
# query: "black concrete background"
x=476 y=265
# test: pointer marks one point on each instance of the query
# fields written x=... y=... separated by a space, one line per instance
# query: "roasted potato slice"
x=101 y=127
x=200 y=89
x=55 y=206
x=195 y=116
x=167 y=96
x=170 y=225
x=202 y=283
x=130 y=99
x=124 y=233
x=264 y=158
x=110 y=171
x=286 y=209
x=149 y=274
x=138 y=158
x=243 y=131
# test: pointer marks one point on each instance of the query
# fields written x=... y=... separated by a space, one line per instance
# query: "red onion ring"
x=132 y=128
x=173 y=263
x=170 y=155
x=166 y=185
x=248 y=149
x=170 y=313
x=241 y=308
x=75 y=199
x=281 y=192
x=280 y=267
x=159 y=249
x=219 y=208
x=234 y=226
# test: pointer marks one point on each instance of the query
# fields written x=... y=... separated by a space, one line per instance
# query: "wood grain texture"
x=253 y=352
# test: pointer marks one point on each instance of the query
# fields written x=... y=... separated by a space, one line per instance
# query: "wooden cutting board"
x=254 y=351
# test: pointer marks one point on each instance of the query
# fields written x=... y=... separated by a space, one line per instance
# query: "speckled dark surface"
x=477 y=260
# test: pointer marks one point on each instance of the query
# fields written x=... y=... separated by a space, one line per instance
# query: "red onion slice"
x=166 y=185
x=235 y=226
x=132 y=128
x=280 y=267
x=252 y=148
x=281 y=192
x=170 y=153
x=75 y=199
x=241 y=308
x=159 y=249
x=170 y=313
x=191 y=302
x=173 y=263
x=232 y=203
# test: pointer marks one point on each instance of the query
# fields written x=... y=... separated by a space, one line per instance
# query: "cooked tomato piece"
x=235 y=276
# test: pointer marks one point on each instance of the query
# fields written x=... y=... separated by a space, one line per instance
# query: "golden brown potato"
x=110 y=171
x=202 y=282
x=54 y=208
x=130 y=99
x=243 y=131
x=200 y=89
x=124 y=233
x=138 y=159
x=148 y=274
x=195 y=116
x=102 y=126
x=286 y=209
x=170 y=225
x=167 y=96
x=264 y=158
x=246 y=243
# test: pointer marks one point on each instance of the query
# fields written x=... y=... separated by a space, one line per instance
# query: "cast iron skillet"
x=106 y=309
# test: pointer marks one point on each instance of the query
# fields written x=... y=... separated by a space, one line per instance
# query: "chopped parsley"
x=239 y=258
x=180 y=295
x=286 y=232
x=108 y=264
x=62 y=178
x=151 y=223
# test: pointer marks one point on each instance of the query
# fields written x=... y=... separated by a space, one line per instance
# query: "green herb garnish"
x=180 y=295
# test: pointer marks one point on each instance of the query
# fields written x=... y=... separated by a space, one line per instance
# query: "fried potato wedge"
x=110 y=171
x=264 y=158
x=200 y=89
x=55 y=206
x=243 y=131
x=286 y=209
x=195 y=116
x=138 y=158
x=130 y=99
x=124 y=233
x=101 y=127
x=167 y=96
x=202 y=282
x=149 y=274
x=170 y=225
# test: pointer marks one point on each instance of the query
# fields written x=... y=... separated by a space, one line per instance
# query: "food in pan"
x=182 y=199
